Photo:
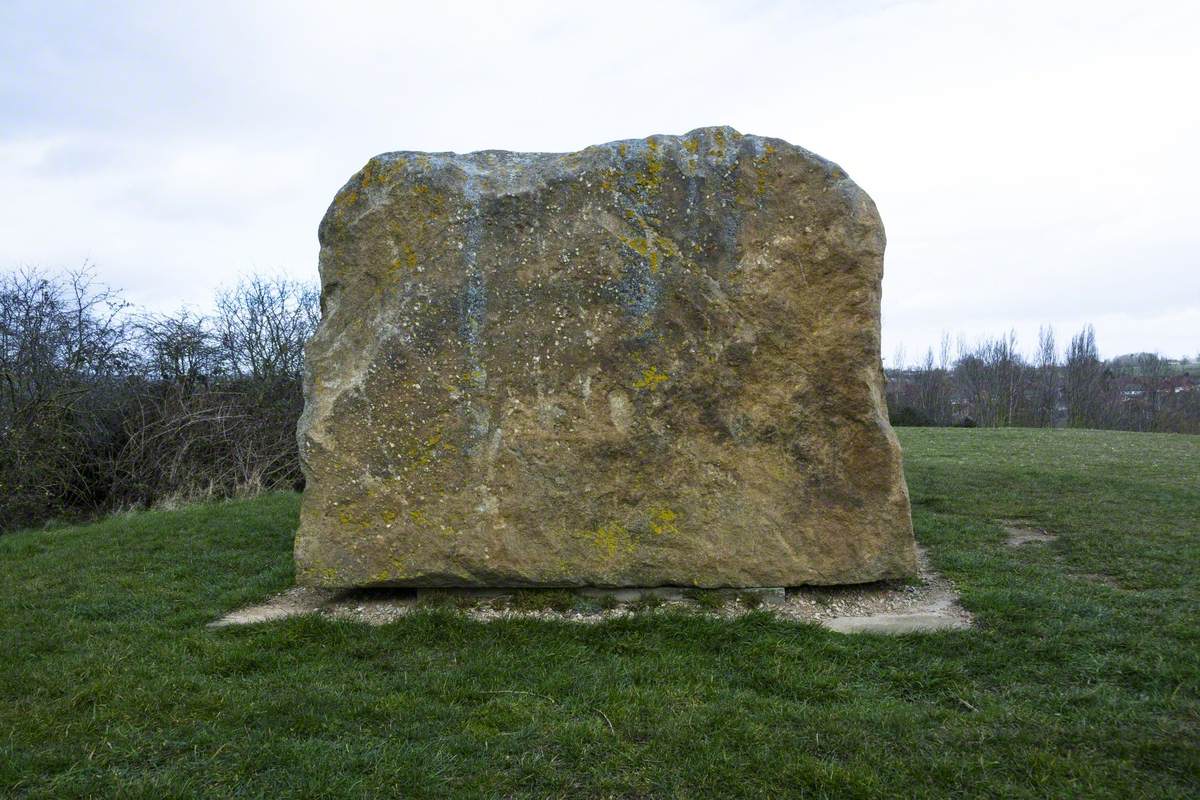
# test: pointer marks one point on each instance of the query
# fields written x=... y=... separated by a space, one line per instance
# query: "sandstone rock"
x=652 y=362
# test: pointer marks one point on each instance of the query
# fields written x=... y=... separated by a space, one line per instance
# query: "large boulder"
x=651 y=362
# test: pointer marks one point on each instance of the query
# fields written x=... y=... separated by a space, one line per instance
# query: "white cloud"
x=1034 y=162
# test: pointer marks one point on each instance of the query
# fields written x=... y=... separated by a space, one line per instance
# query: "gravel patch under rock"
x=927 y=603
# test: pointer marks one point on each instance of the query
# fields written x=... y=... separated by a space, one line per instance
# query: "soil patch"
x=1017 y=535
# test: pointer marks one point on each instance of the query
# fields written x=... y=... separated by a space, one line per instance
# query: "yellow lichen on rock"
x=651 y=378
x=662 y=522
x=612 y=540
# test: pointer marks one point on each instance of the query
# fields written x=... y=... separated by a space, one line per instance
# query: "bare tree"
x=1083 y=380
x=263 y=324
x=1146 y=409
x=991 y=380
x=1045 y=401
x=180 y=347
x=933 y=386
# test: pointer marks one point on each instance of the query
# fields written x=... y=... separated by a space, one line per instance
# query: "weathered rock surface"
x=652 y=362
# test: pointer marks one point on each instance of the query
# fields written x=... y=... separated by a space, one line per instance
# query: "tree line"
x=104 y=407
x=993 y=384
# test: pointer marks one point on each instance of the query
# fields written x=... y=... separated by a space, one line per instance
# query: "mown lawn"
x=1081 y=679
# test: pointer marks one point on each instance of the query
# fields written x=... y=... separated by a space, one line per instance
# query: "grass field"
x=1080 y=679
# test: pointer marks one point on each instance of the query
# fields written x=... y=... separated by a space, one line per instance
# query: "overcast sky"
x=1034 y=162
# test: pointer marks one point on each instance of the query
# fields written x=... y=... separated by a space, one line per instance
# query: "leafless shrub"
x=101 y=409
x=63 y=357
x=195 y=440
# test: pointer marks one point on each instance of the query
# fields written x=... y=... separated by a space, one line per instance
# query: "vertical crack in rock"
x=473 y=319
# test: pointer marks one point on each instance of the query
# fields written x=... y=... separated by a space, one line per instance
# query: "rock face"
x=652 y=362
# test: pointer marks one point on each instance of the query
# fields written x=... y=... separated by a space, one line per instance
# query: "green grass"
x=1080 y=680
